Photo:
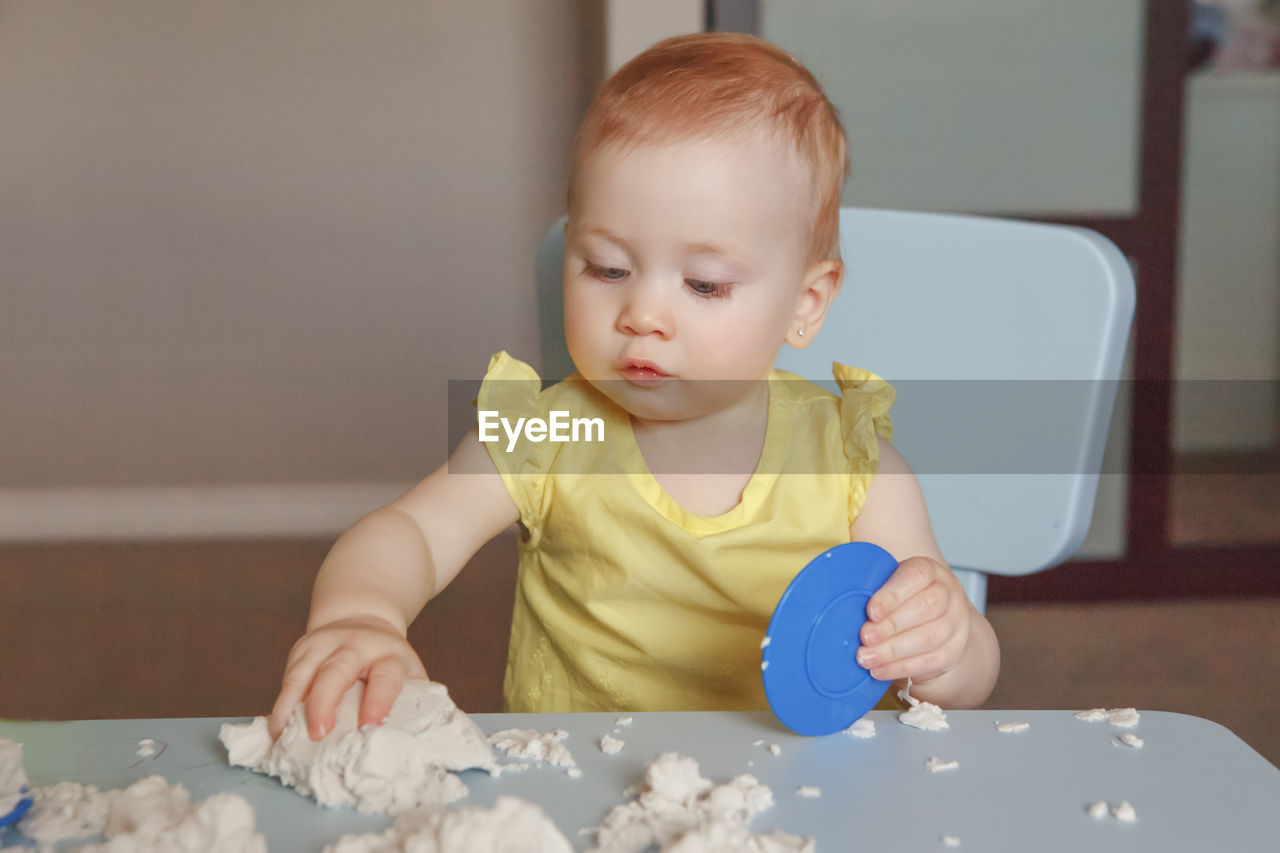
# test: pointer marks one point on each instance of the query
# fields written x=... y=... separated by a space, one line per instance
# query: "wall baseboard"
x=189 y=512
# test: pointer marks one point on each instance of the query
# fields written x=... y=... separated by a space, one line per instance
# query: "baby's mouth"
x=639 y=371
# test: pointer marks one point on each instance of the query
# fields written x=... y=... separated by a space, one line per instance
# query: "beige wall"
x=248 y=243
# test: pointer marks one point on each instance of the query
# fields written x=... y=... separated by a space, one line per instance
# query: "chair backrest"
x=1005 y=341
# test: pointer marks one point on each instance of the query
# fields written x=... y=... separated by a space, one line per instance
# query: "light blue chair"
x=1005 y=341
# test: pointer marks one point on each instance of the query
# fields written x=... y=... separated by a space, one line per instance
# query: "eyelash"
x=718 y=291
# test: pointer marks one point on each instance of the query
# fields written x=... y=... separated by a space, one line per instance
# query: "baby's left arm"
x=920 y=624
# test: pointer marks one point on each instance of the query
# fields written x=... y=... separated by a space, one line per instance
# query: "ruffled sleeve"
x=513 y=390
x=864 y=420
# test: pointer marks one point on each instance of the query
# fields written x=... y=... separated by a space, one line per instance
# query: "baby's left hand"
x=917 y=623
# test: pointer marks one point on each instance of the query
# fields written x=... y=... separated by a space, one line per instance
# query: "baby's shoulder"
x=791 y=389
x=516 y=383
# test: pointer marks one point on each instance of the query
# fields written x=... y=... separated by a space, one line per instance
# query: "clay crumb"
x=1012 y=728
x=863 y=728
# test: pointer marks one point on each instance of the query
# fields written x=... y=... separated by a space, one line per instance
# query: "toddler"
x=702 y=235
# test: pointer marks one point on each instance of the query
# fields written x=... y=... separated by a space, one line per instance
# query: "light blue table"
x=1194 y=784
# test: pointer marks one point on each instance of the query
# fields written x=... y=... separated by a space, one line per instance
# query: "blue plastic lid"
x=811 y=675
x=19 y=810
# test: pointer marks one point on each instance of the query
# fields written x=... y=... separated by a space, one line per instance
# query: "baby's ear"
x=818 y=290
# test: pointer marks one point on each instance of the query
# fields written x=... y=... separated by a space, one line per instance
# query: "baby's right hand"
x=329 y=659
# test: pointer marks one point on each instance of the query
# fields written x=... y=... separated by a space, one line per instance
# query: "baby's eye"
x=605 y=273
x=708 y=289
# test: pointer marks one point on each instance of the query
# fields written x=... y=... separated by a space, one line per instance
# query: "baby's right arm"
x=377 y=578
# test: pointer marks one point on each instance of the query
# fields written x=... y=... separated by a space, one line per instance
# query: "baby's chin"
x=673 y=399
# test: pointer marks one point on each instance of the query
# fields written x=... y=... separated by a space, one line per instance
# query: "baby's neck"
x=705 y=463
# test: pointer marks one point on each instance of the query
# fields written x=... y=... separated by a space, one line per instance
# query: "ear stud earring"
x=800 y=332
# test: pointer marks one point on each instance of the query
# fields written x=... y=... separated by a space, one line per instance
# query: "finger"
x=386 y=679
x=912 y=575
x=333 y=679
x=932 y=641
x=926 y=605
x=921 y=669
x=298 y=651
x=293 y=689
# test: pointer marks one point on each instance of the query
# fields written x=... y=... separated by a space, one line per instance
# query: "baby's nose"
x=645 y=311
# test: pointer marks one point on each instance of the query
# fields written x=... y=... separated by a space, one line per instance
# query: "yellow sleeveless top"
x=625 y=601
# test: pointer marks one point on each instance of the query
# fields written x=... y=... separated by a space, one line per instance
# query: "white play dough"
x=921 y=715
x=611 y=745
x=511 y=826
x=534 y=745
x=863 y=728
x=150 y=816
x=407 y=761
x=67 y=810
x=810 y=791
x=679 y=810
x=1120 y=717
x=1125 y=812
x=936 y=764
x=1012 y=728
x=1123 y=717
x=1129 y=739
x=13 y=776
x=1097 y=810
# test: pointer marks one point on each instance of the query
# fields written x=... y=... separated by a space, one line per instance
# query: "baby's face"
x=684 y=261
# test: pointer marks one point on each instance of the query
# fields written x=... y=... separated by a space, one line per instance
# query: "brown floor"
x=202 y=629
x=1215 y=659
x=184 y=629
x=1224 y=508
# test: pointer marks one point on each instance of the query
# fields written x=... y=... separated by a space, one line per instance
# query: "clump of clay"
x=13 y=777
x=511 y=826
x=67 y=810
x=921 y=715
x=1123 y=717
x=611 y=745
x=1120 y=717
x=1121 y=811
x=863 y=728
x=407 y=761
x=679 y=810
x=1012 y=728
x=936 y=764
x=150 y=816
x=1129 y=739
x=535 y=746
x=1125 y=812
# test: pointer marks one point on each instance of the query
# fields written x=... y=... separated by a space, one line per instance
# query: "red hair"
x=710 y=85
